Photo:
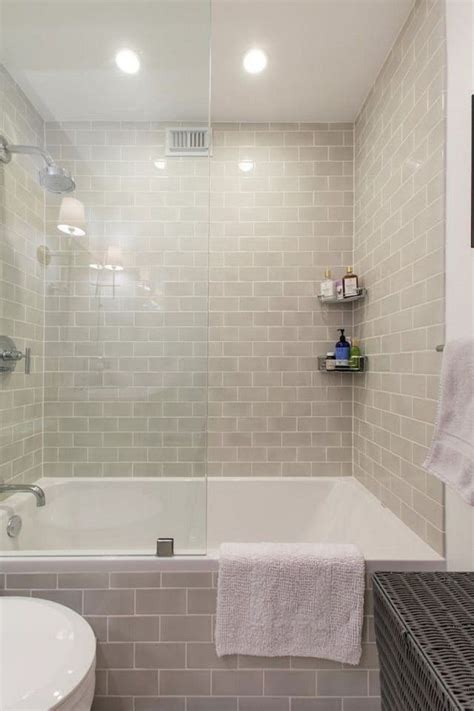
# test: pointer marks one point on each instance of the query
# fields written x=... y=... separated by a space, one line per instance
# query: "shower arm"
x=30 y=150
x=52 y=178
x=6 y=150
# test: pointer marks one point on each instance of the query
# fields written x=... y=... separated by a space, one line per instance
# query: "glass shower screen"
x=106 y=279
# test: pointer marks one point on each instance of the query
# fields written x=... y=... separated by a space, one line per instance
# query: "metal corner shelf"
x=361 y=369
x=348 y=299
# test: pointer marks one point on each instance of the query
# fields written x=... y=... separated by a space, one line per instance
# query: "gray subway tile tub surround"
x=272 y=233
x=399 y=248
x=158 y=660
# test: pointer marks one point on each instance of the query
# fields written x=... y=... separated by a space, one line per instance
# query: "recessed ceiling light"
x=96 y=265
x=246 y=165
x=160 y=164
x=255 y=61
x=128 y=61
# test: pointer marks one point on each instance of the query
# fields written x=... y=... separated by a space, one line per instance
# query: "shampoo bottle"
x=354 y=357
x=350 y=283
x=328 y=286
x=342 y=351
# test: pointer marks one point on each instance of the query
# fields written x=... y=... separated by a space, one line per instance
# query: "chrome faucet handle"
x=10 y=355
x=27 y=361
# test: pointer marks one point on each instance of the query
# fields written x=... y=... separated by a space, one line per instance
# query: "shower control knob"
x=10 y=355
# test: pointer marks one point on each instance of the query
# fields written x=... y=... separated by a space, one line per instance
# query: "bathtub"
x=117 y=521
x=92 y=548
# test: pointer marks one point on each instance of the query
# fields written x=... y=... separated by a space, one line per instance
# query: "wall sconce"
x=72 y=218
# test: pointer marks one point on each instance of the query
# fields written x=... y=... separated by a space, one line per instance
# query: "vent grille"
x=187 y=141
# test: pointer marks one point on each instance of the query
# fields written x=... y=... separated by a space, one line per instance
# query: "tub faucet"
x=37 y=491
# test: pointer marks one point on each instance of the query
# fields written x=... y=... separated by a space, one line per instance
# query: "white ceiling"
x=323 y=57
x=61 y=52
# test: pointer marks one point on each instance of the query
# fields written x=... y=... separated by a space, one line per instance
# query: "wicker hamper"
x=424 y=627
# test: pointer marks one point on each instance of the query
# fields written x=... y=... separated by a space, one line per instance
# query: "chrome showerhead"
x=52 y=178
x=56 y=180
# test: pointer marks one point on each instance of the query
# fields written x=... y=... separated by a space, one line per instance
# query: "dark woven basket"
x=424 y=626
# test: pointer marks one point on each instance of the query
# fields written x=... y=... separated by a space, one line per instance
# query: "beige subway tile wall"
x=127 y=308
x=399 y=250
x=21 y=288
x=126 y=368
x=282 y=209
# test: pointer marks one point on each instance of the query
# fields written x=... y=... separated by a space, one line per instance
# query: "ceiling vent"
x=187 y=141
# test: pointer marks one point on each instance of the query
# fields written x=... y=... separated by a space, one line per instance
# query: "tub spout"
x=37 y=491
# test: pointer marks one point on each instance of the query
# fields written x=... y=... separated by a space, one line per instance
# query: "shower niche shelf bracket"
x=322 y=366
x=362 y=293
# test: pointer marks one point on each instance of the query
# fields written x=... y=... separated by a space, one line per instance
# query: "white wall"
x=459 y=256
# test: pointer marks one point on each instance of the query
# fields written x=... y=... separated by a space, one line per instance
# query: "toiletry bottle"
x=350 y=283
x=354 y=356
x=339 y=289
x=328 y=287
x=330 y=361
x=342 y=351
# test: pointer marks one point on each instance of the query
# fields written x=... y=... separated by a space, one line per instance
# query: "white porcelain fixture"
x=47 y=657
x=118 y=516
x=255 y=61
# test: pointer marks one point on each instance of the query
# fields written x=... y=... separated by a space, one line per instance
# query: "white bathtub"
x=123 y=517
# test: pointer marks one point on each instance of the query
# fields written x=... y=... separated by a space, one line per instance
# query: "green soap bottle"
x=354 y=356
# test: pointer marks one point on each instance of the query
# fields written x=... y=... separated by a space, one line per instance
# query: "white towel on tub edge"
x=290 y=599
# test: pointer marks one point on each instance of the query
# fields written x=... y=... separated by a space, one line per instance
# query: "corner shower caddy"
x=362 y=293
x=361 y=369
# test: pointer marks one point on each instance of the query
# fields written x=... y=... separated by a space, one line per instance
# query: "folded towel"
x=451 y=457
x=290 y=599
